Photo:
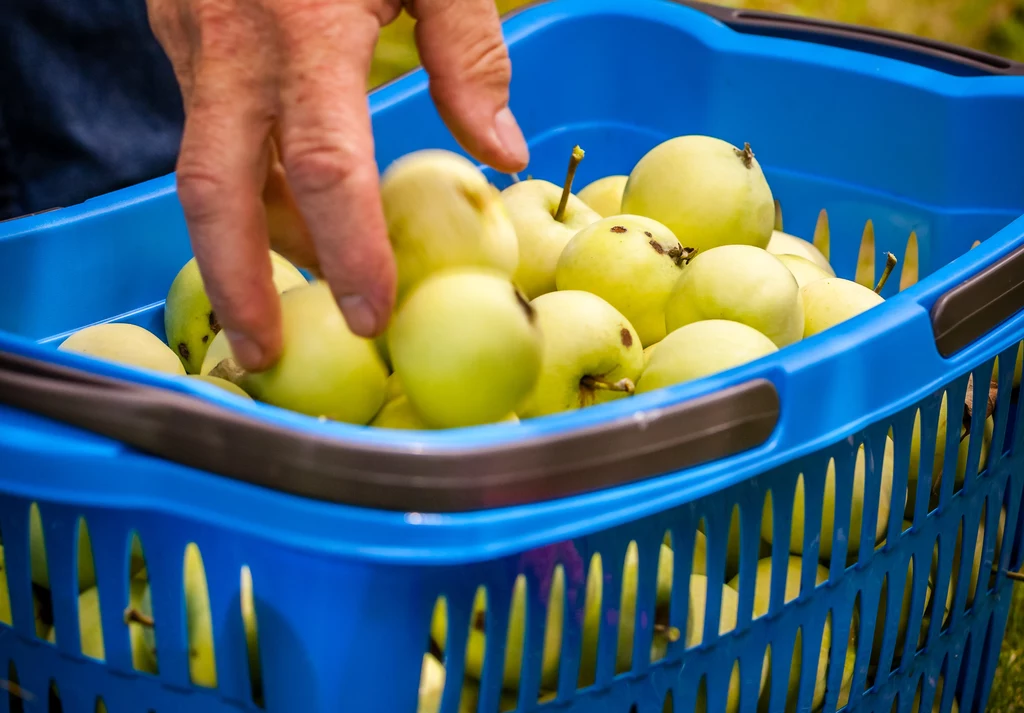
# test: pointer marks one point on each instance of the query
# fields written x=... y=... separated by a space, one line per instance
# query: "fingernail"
x=247 y=352
x=360 y=315
x=511 y=136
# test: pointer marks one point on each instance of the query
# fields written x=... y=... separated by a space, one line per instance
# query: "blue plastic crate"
x=919 y=139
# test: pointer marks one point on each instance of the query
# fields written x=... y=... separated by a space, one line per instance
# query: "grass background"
x=995 y=26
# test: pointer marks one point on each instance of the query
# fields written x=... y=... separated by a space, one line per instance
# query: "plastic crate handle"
x=199 y=433
x=877 y=41
x=970 y=310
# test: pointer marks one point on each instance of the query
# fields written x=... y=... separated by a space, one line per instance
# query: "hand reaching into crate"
x=274 y=92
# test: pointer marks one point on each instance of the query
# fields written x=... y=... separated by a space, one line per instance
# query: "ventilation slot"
x=909 y=275
x=904 y=620
x=883 y=467
x=664 y=633
x=866 y=259
x=5 y=593
x=432 y=672
x=42 y=602
x=669 y=706
x=84 y=563
x=627 y=609
x=201 y=655
x=591 y=623
x=879 y=632
x=933 y=602
x=732 y=561
x=827 y=540
x=849 y=665
x=53 y=704
x=101 y=707
x=139 y=616
x=821 y=235
x=699 y=593
x=16 y=697
x=702 y=695
x=431 y=689
x=252 y=639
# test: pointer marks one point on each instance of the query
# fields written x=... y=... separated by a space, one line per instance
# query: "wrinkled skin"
x=278 y=151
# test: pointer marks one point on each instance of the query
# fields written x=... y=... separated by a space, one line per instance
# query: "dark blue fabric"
x=88 y=102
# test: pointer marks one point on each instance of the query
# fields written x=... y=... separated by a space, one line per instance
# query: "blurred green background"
x=995 y=26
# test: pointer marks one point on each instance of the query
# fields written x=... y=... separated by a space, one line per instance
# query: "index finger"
x=328 y=154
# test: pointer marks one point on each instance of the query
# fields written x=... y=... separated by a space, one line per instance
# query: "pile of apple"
x=532 y=300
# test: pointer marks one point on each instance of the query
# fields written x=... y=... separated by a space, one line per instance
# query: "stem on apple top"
x=890 y=265
x=592 y=382
x=671 y=633
x=574 y=161
x=229 y=370
x=132 y=615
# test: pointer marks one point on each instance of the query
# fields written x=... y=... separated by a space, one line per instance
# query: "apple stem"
x=515 y=177
x=1016 y=577
x=682 y=256
x=229 y=370
x=747 y=154
x=132 y=615
x=623 y=385
x=890 y=265
x=671 y=633
x=574 y=162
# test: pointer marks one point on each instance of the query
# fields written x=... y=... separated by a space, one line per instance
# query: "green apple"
x=222 y=384
x=786 y=244
x=803 y=269
x=701 y=349
x=707 y=191
x=648 y=353
x=762 y=594
x=219 y=350
x=126 y=344
x=727 y=622
x=432 y=677
x=591 y=354
x=834 y=300
x=466 y=346
x=394 y=388
x=599 y=600
x=939 y=460
x=743 y=284
x=442 y=212
x=546 y=217
x=901 y=631
x=848 y=669
x=189 y=320
x=853 y=533
x=398 y=413
x=631 y=262
x=979 y=551
x=605 y=195
x=514 y=641
x=324 y=369
x=199 y=625
x=139 y=621
x=86 y=567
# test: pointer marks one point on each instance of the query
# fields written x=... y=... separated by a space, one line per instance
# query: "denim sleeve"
x=88 y=102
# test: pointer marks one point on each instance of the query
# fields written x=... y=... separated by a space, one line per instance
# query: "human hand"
x=277 y=150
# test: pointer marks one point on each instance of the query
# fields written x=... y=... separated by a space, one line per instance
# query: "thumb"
x=463 y=51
